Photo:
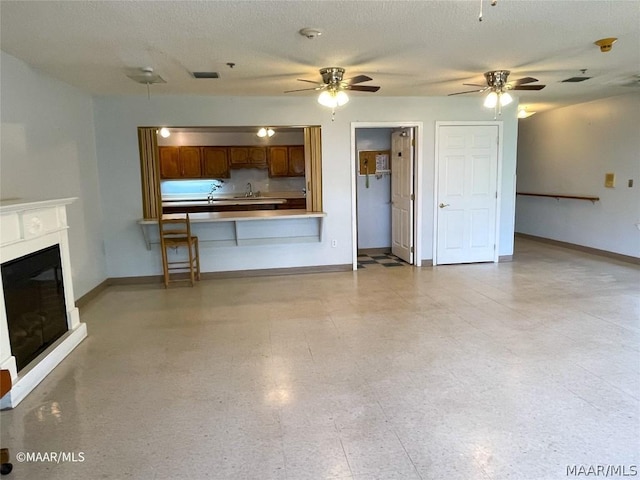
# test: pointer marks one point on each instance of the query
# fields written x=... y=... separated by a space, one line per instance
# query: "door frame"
x=500 y=125
x=417 y=184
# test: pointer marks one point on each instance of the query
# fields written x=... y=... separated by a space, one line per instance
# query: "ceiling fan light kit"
x=165 y=132
x=499 y=86
x=333 y=86
x=333 y=98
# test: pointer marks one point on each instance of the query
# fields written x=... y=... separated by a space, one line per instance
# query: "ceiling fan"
x=333 y=86
x=146 y=76
x=499 y=87
x=497 y=82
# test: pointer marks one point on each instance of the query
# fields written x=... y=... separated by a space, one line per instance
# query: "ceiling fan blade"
x=303 y=89
x=522 y=81
x=308 y=81
x=357 y=79
x=528 y=87
x=473 y=85
x=469 y=91
x=362 y=88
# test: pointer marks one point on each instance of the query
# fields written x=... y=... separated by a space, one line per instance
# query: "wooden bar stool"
x=175 y=232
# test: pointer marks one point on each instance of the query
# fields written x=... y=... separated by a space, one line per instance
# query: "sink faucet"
x=249 y=190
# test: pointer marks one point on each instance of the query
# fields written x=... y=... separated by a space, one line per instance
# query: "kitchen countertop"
x=266 y=198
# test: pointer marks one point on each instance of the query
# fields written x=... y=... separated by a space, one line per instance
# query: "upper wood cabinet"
x=248 y=157
x=296 y=161
x=190 y=160
x=180 y=162
x=278 y=162
x=286 y=161
x=169 y=162
x=215 y=163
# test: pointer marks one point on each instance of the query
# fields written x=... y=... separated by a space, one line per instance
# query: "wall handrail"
x=558 y=196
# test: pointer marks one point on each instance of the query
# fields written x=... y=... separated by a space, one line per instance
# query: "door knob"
x=442 y=205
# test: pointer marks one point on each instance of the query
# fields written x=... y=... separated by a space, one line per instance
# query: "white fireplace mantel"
x=27 y=227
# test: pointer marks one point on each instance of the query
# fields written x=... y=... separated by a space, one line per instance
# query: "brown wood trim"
x=505 y=258
x=151 y=279
x=557 y=196
x=92 y=294
x=374 y=251
x=582 y=248
x=313 y=167
x=149 y=172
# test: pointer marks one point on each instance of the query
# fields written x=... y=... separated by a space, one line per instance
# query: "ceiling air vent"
x=575 y=79
x=206 y=74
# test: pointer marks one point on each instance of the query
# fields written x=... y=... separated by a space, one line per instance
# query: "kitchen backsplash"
x=260 y=182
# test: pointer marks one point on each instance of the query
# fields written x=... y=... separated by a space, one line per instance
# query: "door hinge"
x=411 y=249
x=413 y=197
x=413 y=142
x=496 y=194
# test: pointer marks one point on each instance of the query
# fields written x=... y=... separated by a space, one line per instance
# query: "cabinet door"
x=239 y=156
x=169 y=162
x=258 y=156
x=296 y=161
x=278 y=162
x=214 y=162
x=190 y=162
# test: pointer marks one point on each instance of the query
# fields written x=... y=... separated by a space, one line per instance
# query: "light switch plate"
x=610 y=180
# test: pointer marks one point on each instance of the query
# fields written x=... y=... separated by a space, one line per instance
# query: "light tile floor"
x=517 y=370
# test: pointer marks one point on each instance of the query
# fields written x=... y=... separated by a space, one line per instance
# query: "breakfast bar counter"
x=252 y=227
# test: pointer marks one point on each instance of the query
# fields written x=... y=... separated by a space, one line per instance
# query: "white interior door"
x=402 y=194
x=467 y=193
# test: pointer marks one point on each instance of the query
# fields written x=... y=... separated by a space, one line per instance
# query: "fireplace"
x=34 y=303
x=39 y=322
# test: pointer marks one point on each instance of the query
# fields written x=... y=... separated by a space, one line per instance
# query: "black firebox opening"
x=34 y=303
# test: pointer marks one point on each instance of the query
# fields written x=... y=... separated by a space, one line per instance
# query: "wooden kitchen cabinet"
x=286 y=161
x=215 y=162
x=180 y=162
x=296 y=161
x=248 y=157
x=278 y=162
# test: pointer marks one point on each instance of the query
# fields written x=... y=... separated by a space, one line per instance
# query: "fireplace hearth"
x=39 y=322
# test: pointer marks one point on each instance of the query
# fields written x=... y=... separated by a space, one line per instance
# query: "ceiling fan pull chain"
x=480 y=16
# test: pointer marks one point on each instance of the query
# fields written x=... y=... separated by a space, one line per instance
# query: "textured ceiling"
x=410 y=48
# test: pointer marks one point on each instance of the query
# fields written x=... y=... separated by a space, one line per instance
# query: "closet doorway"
x=385 y=180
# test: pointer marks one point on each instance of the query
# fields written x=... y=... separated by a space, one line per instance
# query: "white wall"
x=568 y=151
x=48 y=150
x=374 y=201
x=117 y=118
